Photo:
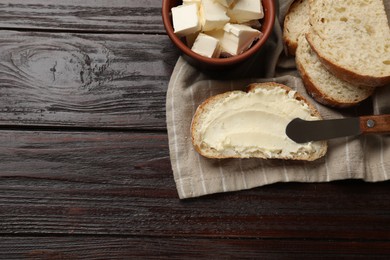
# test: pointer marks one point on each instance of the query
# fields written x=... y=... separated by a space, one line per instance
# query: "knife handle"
x=379 y=124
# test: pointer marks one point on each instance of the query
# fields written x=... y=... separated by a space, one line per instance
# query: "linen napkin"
x=364 y=157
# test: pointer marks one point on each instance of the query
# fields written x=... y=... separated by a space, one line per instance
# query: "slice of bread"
x=323 y=86
x=252 y=124
x=296 y=23
x=352 y=39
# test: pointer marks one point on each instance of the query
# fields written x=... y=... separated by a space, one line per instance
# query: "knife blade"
x=302 y=131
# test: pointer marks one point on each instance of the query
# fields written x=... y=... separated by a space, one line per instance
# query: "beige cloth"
x=364 y=157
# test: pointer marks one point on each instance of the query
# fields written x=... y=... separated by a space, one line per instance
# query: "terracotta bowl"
x=267 y=24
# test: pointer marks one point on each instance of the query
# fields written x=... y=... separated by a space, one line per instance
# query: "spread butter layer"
x=256 y=121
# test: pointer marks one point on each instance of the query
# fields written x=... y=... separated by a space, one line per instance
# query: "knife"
x=302 y=131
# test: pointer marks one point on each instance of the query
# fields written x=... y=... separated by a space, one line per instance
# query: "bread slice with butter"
x=352 y=39
x=252 y=124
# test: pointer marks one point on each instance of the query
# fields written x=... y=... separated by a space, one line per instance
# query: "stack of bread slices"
x=341 y=48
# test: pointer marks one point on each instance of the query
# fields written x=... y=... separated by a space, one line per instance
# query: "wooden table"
x=84 y=161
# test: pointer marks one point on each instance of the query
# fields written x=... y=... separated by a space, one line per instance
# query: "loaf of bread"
x=252 y=124
x=296 y=23
x=323 y=86
x=352 y=39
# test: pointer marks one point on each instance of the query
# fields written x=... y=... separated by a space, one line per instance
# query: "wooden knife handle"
x=379 y=124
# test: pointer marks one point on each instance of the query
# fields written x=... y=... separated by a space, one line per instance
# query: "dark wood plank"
x=176 y=248
x=84 y=80
x=106 y=183
x=87 y=15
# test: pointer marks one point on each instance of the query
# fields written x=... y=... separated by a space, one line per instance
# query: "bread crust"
x=208 y=103
x=290 y=44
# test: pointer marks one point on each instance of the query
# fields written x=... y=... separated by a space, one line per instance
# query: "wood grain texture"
x=100 y=183
x=84 y=80
x=87 y=15
x=93 y=248
x=376 y=124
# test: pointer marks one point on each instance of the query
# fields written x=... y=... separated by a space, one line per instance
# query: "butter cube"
x=226 y=3
x=212 y=15
x=185 y=19
x=238 y=38
x=207 y=46
x=246 y=10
